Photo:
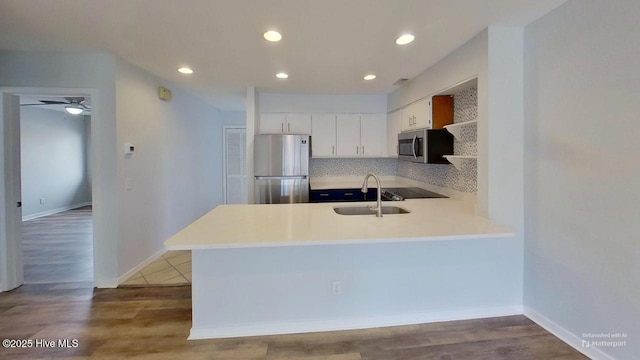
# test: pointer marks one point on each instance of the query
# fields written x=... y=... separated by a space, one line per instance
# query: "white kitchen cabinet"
x=417 y=115
x=272 y=123
x=323 y=135
x=348 y=135
x=394 y=127
x=373 y=138
x=281 y=123
x=298 y=124
x=422 y=114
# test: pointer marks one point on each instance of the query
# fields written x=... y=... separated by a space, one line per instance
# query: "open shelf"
x=457 y=160
x=455 y=128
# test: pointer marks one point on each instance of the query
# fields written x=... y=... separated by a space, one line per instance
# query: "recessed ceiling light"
x=369 y=77
x=405 y=39
x=282 y=75
x=272 y=36
x=185 y=70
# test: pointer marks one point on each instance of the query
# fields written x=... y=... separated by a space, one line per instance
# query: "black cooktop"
x=399 y=194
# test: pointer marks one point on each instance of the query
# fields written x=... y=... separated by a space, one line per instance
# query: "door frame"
x=11 y=259
x=224 y=156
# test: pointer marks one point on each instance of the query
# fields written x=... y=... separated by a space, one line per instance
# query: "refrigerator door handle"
x=280 y=177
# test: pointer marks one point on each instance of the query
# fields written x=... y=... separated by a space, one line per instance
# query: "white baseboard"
x=349 y=323
x=141 y=266
x=565 y=335
x=55 y=211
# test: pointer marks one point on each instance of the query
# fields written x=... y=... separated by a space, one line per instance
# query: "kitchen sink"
x=365 y=210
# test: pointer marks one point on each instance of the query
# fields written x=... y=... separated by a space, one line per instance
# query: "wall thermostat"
x=129 y=149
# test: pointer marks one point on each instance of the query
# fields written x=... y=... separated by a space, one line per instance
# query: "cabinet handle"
x=288 y=127
x=281 y=127
x=333 y=149
x=348 y=194
x=362 y=149
x=357 y=149
x=324 y=194
x=397 y=150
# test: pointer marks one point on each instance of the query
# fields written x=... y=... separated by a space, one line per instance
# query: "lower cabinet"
x=337 y=195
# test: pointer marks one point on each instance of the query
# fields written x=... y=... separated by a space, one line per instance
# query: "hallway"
x=59 y=248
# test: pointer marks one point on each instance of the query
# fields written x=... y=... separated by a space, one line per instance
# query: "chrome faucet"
x=365 y=188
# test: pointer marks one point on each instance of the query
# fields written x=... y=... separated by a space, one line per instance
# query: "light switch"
x=128 y=184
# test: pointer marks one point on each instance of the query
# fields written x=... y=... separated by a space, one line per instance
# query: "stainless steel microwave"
x=425 y=146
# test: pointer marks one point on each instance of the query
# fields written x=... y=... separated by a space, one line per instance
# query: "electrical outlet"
x=336 y=288
x=43 y=200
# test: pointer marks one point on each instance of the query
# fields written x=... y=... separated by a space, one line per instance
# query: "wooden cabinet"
x=442 y=111
x=323 y=135
x=394 y=127
x=428 y=113
x=281 y=123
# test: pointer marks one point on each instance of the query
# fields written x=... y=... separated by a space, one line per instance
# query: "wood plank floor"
x=59 y=247
x=153 y=323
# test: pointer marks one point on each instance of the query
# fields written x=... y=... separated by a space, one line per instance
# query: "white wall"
x=582 y=197
x=53 y=160
x=94 y=74
x=176 y=170
x=382 y=285
x=307 y=103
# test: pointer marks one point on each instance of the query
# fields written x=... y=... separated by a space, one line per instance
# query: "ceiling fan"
x=73 y=105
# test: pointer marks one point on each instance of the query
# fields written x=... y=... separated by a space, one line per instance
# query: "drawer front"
x=348 y=195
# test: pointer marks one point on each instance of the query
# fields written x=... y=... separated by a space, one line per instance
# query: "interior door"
x=11 y=273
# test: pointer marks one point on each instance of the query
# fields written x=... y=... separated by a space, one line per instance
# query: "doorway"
x=11 y=255
x=57 y=225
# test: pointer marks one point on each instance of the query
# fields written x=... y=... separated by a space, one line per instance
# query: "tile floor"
x=172 y=268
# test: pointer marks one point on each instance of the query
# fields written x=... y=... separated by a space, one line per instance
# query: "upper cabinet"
x=348 y=135
x=394 y=127
x=281 y=123
x=373 y=135
x=323 y=135
x=429 y=113
x=441 y=111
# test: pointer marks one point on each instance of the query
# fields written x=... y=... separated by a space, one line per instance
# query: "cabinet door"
x=406 y=116
x=348 y=135
x=442 y=111
x=323 y=135
x=422 y=111
x=394 y=127
x=299 y=124
x=372 y=135
x=271 y=123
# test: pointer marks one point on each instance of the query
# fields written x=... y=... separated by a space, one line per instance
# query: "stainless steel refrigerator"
x=281 y=168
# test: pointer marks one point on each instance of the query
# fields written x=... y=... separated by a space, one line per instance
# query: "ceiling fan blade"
x=34 y=104
x=51 y=102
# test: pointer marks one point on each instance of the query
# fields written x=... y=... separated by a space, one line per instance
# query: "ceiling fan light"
x=73 y=110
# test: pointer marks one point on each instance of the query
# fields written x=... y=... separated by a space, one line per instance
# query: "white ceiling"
x=327 y=45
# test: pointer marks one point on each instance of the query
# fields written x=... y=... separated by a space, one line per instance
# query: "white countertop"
x=240 y=226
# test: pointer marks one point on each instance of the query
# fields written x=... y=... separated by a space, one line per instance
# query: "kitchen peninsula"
x=287 y=268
